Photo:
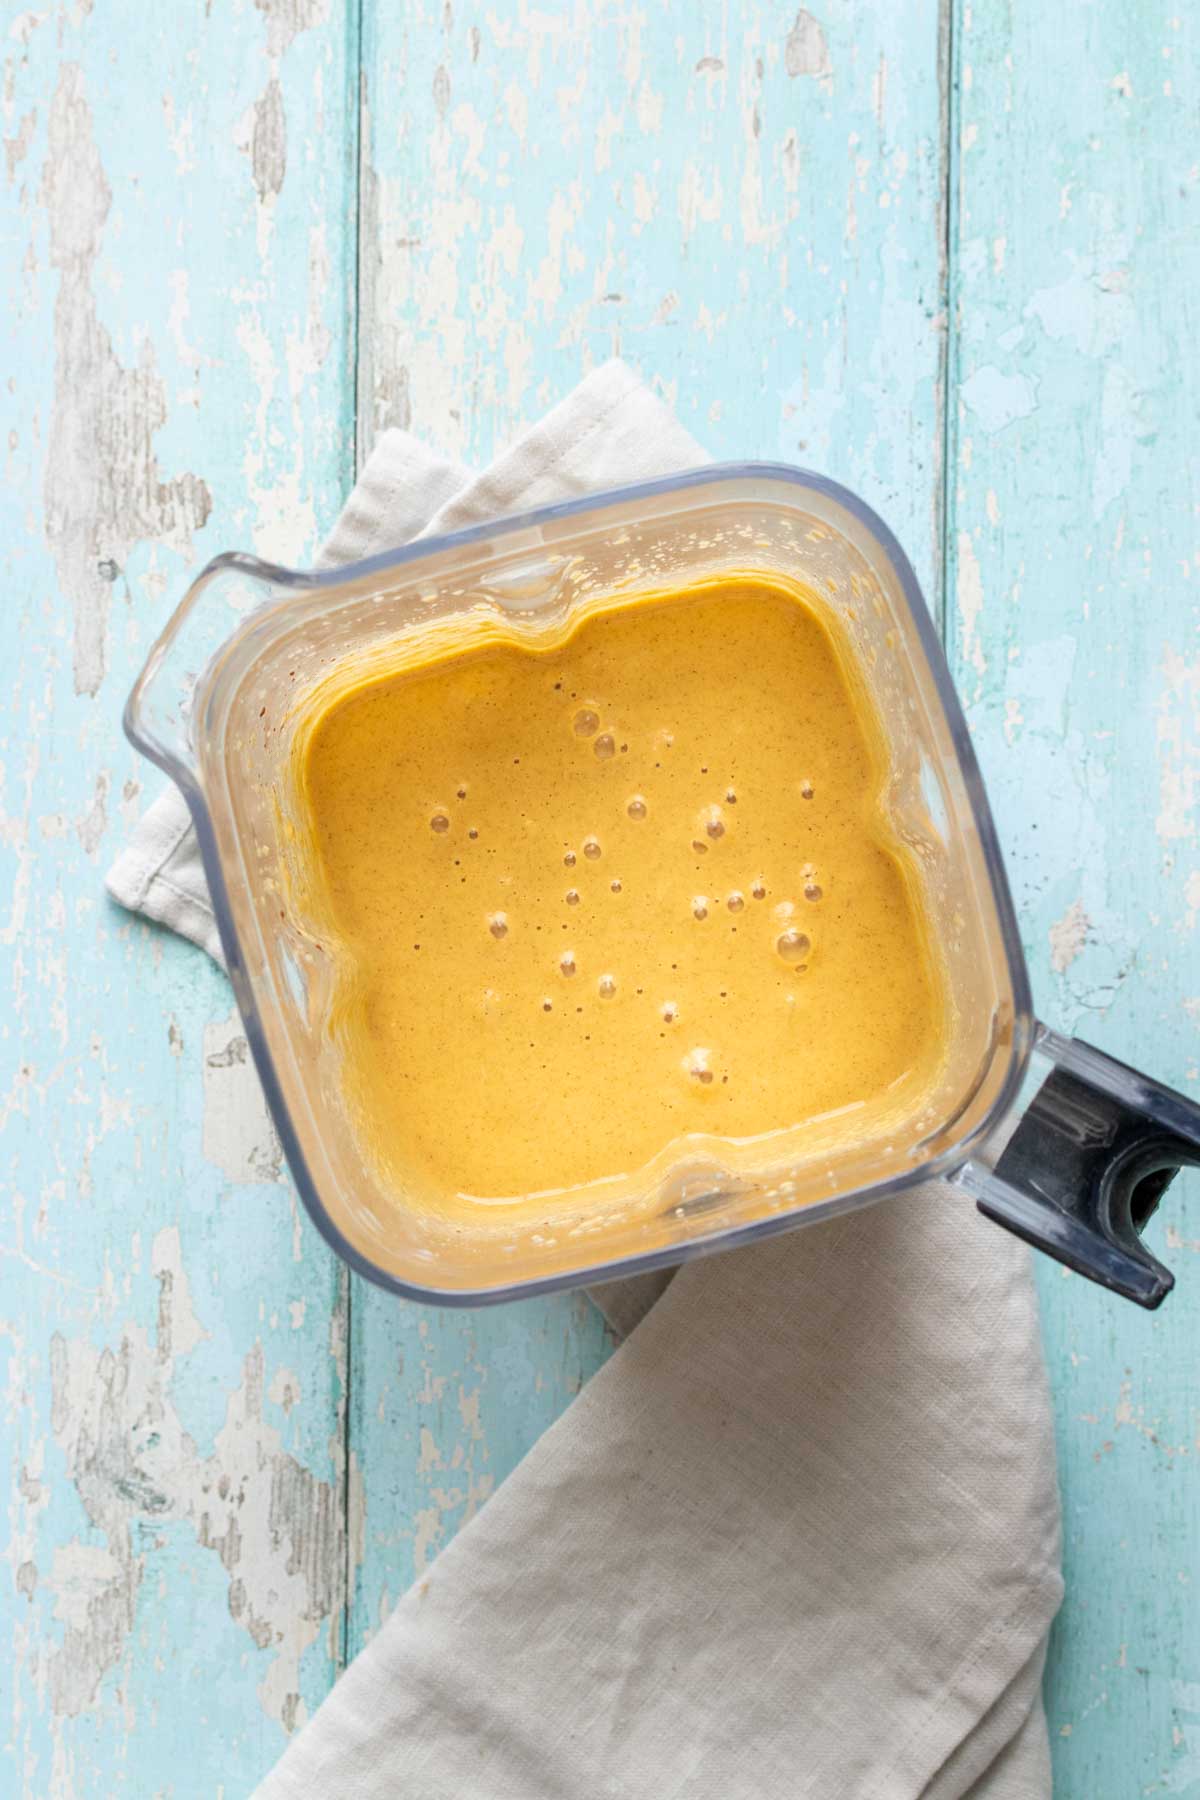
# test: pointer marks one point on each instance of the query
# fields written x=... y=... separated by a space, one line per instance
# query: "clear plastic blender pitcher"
x=1050 y=1137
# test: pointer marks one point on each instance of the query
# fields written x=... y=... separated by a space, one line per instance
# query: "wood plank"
x=179 y=208
x=1072 y=530
x=748 y=213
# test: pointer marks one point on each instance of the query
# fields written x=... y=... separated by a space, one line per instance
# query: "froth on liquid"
x=739 y=946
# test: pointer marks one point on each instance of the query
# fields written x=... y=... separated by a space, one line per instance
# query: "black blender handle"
x=1092 y=1156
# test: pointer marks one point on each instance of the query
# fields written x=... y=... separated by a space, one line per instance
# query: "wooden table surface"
x=950 y=257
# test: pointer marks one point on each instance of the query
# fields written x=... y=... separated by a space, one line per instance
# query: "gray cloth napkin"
x=800 y=1535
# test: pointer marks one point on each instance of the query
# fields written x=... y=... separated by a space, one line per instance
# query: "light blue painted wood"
x=178 y=255
x=1075 y=482
x=747 y=207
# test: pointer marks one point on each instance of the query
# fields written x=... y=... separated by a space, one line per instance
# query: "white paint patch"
x=1191 y=896
x=969 y=593
x=806 y=51
x=24 y=26
x=102 y=492
x=1178 y=737
x=275 y=1527
x=697 y=200
x=179 y=1330
x=1068 y=936
x=286 y=19
x=645 y=201
x=268 y=143
x=237 y=1136
x=91 y=827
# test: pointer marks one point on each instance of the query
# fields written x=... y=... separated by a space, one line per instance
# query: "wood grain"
x=237 y=240
x=179 y=252
x=1072 y=537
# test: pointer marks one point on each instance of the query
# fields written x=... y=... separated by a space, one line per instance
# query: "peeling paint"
x=272 y=1523
x=268 y=142
x=1068 y=936
x=91 y=828
x=807 y=50
x=970 y=602
x=102 y=491
x=16 y=147
x=239 y=1136
x=286 y=19
x=1178 y=734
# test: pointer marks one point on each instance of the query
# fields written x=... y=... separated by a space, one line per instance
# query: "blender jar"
x=218 y=703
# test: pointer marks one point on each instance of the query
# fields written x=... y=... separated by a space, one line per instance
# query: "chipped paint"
x=286 y=19
x=1067 y=937
x=268 y=142
x=1178 y=735
x=970 y=603
x=102 y=492
x=175 y=1404
x=239 y=1137
x=273 y=1526
x=747 y=207
x=806 y=50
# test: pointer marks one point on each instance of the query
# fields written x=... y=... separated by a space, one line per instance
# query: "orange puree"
x=598 y=895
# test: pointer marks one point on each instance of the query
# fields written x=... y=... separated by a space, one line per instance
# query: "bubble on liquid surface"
x=591 y=848
x=813 y=890
x=806 y=790
x=566 y=962
x=759 y=890
x=793 y=946
x=605 y=746
x=698 y=1063
x=572 y=896
x=569 y=859
x=472 y=833
x=736 y=901
x=439 y=823
x=606 y=987
x=586 y=722
x=498 y=925
x=547 y=1006
x=615 y=886
x=699 y=846
x=730 y=797
x=714 y=824
x=636 y=807
x=700 y=907
x=670 y=1012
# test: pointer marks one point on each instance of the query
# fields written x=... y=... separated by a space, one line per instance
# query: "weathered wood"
x=178 y=250
x=1074 y=484
x=207 y=1430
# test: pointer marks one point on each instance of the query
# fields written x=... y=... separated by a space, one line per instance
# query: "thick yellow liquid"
x=596 y=898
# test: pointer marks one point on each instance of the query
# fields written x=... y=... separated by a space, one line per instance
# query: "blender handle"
x=1090 y=1159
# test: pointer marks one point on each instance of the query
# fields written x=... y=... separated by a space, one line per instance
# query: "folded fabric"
x=799 y=1536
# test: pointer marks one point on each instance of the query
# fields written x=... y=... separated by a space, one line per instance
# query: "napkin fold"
x=800 y=1535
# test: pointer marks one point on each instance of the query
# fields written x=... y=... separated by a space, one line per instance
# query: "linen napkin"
x=799 y=1536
